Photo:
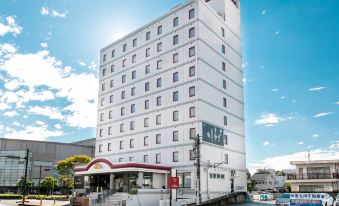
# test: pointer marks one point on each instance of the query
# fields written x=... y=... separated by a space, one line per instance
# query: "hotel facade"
x=160 y=86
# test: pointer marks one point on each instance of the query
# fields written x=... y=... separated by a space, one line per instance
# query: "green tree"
x=66 y=181
x=287 y=187
x=20 y=183
x=65 y=167
x=49 y=183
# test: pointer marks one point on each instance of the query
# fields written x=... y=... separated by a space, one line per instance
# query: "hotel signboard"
x=212 y=134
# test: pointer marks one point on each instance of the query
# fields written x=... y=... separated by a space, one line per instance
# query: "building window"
x=131 y=159
x=191 y=51
x=223 y=66
x=192 y=156
x=191 y=71
x=192 y=111
x=124 y=63
x=222 y=32
x=175 y=96
x=225 y=120
x=111 y=99
x=175 y=21
x=102 y=117
x=226 y=158
x=110 y=114
x=175 y=76
x=113 y=53
x=123 y=78
x=146 y=122
x=123 y=95
x=158 y=82
x=146 y=104
x=175 y=58
x=191 y=14
x=111 y=83
x=223 y=49
x=148 y=52
x=158 y=138
x=224 y=102
x=124 y=47
x=134 y=58
x=175 y=39
x=132 y=91
x=224 y=84
x=121 y=145
x=100 y=132
x=109 y=130
x=102 y=101
x=192 y=133
x=175 y=115
x=159 y=64
x=100 y=147
x=103 y=72
x=103 y=87
x=158 y=158
x=175 y=156
x=225 y=140
x=122 y=129
x=159 y=29
x=134 y=42
x=148 y=35
x=132 y=108
x=145 y=158
x=158 y=100
x=146 y=86
x=158 y=119
x=104 y=58
x=146 y=141
x=159 y=47
x=147 y=69
x=131 y=143
x=121 y=159
x=191 y=32
x=175 y=136
x=108 y=146
x=112 y=68
x=122 y=111
x=192 y=91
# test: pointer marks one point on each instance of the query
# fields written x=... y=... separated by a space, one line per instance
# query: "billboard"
x=212 y=134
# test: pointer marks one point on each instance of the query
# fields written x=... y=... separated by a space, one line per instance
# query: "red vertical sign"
x=173 y=182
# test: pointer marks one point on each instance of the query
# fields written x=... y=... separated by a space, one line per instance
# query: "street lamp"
x=40 y=169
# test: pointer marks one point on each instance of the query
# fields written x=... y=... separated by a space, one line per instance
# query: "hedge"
x=10 y=196
x=36 y=197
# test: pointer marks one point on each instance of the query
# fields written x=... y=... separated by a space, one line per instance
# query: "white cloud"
x=315 y=135
x=40 y=133
x=266 y=143
x=81 y=63
x=10 y=113
x=283 y=161
x=283 y=97
x=40 y=123
x=269 y=119
x=57 y=126
x=300 y=143
x=9 y=25
x=275 y=90
x=43 y=44
x=262 y=67
x=6 y=50
x=277 y=32
x=337 y=103
x=16 y=123
x=3 y=106
x=33 y=95
x=321 y=114
x=12 y=85
x=51 y=112
x=263 y=12
x=45 y=11
x=314 y=89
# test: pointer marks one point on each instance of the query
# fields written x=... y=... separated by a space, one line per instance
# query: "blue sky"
x=48 y=71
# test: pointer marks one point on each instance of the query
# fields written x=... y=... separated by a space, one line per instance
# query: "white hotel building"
x=158 y=86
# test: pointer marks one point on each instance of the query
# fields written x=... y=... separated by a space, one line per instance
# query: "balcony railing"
x=308 y=176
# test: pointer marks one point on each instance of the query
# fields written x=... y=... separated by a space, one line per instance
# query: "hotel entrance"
x=98 y=182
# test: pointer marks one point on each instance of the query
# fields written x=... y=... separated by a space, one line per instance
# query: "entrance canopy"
x=102 y=165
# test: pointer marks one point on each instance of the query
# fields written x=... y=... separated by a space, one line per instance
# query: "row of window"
x=148 y=35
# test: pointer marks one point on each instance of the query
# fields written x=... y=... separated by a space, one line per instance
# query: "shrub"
x=10 y=196
x=48 y=197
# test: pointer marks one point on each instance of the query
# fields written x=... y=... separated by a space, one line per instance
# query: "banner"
x=212 y=134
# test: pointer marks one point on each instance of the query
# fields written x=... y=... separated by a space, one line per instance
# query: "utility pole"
x=197 y=156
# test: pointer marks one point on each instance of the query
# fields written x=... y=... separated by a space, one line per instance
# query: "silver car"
x=283 y=200
x=336 y=200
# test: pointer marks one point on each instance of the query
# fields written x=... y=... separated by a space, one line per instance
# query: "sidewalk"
x=34 y=202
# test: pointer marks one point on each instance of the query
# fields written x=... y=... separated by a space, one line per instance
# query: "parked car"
x=283 y=200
